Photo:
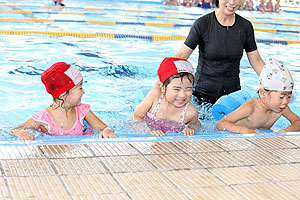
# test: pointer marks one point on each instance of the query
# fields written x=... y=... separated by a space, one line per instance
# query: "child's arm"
x=228 y=122
x=97 y=123
x=293 y=118
x=141 y=110
x=20 y=131
x=193 y=122
x=144 y=107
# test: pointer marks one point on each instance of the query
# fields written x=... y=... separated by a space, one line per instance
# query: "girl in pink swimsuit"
x=269 y=6
x=168 y=108
x=66 y=115
x=249 y=5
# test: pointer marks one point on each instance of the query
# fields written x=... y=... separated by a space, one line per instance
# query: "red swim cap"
x=171 y=66
x=60 y=78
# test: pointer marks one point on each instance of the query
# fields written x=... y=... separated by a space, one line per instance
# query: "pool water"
x=113 y=69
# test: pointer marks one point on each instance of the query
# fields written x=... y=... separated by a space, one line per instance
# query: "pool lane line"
x=109 y=35
x=137 y=16
x=136 y=11
x=128 y=23
x=92 y=35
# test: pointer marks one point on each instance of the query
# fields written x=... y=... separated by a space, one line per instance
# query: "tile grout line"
x=107 y=169
x=55 y=170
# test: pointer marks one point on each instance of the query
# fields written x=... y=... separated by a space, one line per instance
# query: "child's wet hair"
x=57 y=98
x=284 y=92
x=181 y=75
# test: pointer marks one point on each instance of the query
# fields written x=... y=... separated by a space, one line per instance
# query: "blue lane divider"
x=111 y=35
x=166 y=25
x=267 y=41
x=161 y=17
x=147 y=11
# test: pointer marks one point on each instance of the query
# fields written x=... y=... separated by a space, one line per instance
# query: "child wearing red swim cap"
x=168 y=108
x=66 y=115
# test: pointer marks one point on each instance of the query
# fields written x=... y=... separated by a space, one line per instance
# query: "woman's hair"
x=217 y=3
x=181 y=75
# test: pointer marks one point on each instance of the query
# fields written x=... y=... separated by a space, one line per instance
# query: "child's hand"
x=246 y=130
x=22 y=135
x=157 y=132
x=107 y=133
x=281 y=131
x=188 y=131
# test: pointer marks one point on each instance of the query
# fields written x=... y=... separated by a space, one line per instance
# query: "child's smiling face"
x=179 y=91
x=75 y=94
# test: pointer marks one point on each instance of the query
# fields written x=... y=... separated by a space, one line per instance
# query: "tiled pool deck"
x=239 y=168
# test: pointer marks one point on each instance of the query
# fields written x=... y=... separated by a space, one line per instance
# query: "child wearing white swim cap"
x=276 y=76
x=275 y=91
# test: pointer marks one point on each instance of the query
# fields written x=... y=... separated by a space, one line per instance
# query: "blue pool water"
x=114 y=69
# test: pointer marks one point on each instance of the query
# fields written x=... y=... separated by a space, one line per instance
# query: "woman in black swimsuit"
x=222 y=36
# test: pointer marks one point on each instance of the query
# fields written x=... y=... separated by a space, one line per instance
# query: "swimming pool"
x=114 y=68
x=209 y=165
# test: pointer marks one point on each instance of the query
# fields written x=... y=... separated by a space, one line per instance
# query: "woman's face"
x=228 y=7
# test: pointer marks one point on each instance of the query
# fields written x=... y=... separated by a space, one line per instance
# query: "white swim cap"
x=276 y=76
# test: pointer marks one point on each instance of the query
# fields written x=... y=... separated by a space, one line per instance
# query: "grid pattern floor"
x=244 y=168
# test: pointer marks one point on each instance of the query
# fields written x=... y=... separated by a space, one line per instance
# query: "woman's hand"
x=107 y=133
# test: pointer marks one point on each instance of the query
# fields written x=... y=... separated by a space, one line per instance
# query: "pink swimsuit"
x=269 y=6
x=77 y=129
x=250 y=4
x=165 y=125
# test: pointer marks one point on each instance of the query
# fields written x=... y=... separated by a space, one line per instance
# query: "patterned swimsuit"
x=165 y=125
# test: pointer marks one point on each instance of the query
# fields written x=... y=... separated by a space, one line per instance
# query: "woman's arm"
x=184 y=52
x=255 y=61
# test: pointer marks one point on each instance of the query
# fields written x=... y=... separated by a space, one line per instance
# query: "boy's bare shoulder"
x=248 y=107
x=251 y=103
